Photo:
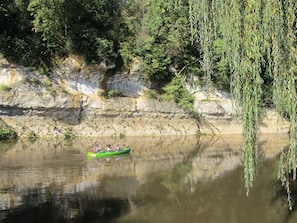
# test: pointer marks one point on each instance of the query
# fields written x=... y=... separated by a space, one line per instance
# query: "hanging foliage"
x=259 y=39
x=202 y=21
x=282 y=16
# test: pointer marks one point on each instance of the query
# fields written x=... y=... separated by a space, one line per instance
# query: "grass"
x=4 y=87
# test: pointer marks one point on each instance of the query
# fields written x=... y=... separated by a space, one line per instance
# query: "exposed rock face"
x=71 y=101
x=220 y=116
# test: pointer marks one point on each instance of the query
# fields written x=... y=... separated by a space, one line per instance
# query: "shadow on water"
x=54 y=181
x=286 y=187
x=69 y=208
x=97 y=203
x=281 y=195
x=6 y=145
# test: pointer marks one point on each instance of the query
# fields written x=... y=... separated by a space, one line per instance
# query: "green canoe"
x=112 y=153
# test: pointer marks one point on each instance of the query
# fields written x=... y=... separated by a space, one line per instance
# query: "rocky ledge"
x=70 y=102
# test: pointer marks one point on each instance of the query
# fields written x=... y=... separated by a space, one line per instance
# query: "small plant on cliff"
x=153 y=94
x=32 y=136
x=48 y=83
x=176 y=91
x=4 y=87
x=44 y=69
x=112 y=93
x=7 y=133
x=69 y=133
x=53 y=92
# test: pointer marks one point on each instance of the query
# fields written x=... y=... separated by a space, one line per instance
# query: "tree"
x=79 y=27
x=260 y=44
x=16 y=35
x=162 y=40
x=50 y=20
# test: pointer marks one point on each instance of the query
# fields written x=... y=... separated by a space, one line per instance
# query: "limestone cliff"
x=71 y=102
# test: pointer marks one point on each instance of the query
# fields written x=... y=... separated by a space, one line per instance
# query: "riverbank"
x=70 y=104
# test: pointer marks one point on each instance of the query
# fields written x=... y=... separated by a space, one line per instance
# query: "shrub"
x=32 y=136
x=176 y=91
x=152 y=94
x=112 y=93
x=69 y=133
x=4 y=87
x=7 y=133
x=48 y=83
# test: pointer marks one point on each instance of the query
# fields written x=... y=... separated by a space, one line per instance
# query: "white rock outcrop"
x=71 y=101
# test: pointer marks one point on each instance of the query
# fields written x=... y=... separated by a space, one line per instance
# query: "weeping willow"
x=203 y=31
x=283 y=44
x=259 y=38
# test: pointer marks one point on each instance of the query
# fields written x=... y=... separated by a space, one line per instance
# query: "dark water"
x=168 y=179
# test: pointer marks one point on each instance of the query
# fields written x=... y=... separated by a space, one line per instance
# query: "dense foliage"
x=37 y=33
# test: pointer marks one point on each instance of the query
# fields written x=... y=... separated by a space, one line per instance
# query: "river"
x=172 y=179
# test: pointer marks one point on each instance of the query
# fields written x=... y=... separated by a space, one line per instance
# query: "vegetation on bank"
x=6 y=132
x=38 y=33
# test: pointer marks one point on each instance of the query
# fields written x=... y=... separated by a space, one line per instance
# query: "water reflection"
x=164 y=179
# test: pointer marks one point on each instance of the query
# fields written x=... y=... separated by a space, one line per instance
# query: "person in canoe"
x=117 y=148
x=108 y=148
x=97 y=149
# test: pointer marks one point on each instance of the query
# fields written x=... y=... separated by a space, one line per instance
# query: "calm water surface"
x=164 y=179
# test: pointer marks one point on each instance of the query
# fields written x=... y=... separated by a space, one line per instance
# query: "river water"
x=164 y=179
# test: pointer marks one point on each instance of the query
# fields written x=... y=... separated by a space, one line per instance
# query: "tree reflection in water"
x=152 y=185
x=288 y=180
x=57 y=207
